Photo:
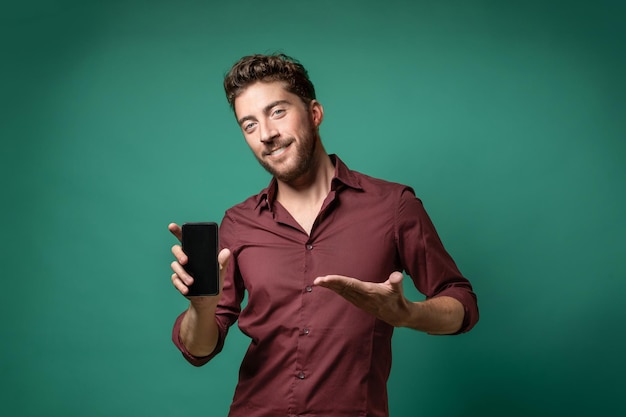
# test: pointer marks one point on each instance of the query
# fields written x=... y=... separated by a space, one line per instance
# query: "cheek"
x=305 y=125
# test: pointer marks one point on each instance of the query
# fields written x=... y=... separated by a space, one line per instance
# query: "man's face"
x=280 y=129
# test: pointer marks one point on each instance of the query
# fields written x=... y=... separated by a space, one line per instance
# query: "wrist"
x=203 y=305
x=414 y=316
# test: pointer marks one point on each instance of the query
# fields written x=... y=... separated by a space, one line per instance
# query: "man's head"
x=268 y=68
x=275 y=106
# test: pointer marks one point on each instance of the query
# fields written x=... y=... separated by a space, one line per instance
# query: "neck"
x=312 y=188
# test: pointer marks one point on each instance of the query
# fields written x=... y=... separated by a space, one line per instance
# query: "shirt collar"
x=344 y=176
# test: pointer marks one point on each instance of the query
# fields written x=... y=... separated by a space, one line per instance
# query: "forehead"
x=258 y=95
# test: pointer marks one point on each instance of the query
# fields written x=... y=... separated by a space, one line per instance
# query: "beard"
x=301 y=163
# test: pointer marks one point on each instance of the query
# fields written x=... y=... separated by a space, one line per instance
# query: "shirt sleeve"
x=229 y=306
x=425 y=259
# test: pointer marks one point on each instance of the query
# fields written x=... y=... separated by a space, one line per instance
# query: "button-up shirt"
x=312 y=353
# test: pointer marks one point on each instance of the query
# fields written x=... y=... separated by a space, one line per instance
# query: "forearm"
x=438 y=315
x=198 y=331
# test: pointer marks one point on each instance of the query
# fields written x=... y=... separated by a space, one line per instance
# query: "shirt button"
x=301 y=375
x=309 y=247
x=305 y=331
x=309 y=288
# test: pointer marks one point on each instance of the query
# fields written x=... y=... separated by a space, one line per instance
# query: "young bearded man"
x=321 y=254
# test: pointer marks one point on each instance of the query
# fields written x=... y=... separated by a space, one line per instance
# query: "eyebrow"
x=266 y=110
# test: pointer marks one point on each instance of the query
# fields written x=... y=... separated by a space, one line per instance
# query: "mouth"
x=277 y=151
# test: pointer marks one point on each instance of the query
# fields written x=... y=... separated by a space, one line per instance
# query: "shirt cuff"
x=468 y=299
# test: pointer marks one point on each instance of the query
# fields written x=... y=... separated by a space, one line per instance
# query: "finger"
x=180 y=256
x=395 y=281
x=223 y=258
x=176 y=231
x=361 y=294
x=184 y=277
x=179 y=284
x=330 y=280
x=341 y=284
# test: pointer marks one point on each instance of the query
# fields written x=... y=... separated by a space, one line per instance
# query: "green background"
x=507 y=117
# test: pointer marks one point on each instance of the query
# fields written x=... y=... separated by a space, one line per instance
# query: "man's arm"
x=198 y=332
x=198 y=329
x=438 y=315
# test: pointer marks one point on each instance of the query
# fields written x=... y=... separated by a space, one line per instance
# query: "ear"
x=317 y=112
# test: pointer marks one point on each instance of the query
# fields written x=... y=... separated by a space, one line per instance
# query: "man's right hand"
x=198 y=330
x=182 y=280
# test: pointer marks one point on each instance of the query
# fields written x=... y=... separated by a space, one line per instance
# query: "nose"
x=267 y=131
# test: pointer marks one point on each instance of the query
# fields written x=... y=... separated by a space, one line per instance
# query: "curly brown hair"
x=268 y=68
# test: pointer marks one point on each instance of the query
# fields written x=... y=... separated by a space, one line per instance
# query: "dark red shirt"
x=312 y=352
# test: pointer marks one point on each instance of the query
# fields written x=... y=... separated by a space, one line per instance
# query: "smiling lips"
x=277 y=151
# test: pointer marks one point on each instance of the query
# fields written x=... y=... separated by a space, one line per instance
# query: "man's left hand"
x=384 y=300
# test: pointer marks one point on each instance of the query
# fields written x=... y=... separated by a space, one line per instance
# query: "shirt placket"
x=302 y=373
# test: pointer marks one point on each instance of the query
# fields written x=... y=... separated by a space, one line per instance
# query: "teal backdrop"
x=507 y=117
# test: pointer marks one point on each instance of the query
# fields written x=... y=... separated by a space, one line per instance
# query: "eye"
x=276 y=113
x=248 y=126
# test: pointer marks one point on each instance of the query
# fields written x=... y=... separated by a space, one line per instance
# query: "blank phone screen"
x=200 y=244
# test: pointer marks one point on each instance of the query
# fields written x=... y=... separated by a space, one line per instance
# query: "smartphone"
x=200 y=244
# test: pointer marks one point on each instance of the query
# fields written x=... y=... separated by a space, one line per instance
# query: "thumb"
x=223 y=258
x=395 y=280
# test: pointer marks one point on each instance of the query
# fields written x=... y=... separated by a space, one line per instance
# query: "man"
x=320 y=253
